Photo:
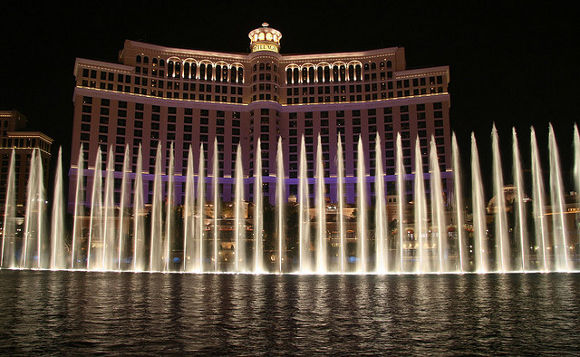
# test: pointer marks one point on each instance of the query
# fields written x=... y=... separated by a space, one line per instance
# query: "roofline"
x=102 y=64
x=245 y=56
x=375 y=52
x=239 y=56
x=407 y=73
x=36 y=134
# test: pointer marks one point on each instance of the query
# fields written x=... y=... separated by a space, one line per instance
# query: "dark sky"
x=513 y=64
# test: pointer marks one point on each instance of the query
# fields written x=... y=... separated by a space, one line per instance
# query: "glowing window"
x=261 y=37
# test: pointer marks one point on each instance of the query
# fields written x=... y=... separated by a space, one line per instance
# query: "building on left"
x=16 y=138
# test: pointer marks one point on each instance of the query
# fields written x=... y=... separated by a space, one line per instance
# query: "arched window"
x=240 y=75
x=193 y=70
x=335 y=73
x=233 y=74
x=218 y=73
x=326 y=74
x=350 y=72
x=209 y=72
x=186 y=70
x=358 y=71
x=145 y=60
x=342 y=73
x=169 y=68
x=154 y=61
x=224 y=73
x=289 y=76
x=296 y=75
x=320 y=74
x=389 y=64
x=202 y=71
x=311 y=74
x=161 y=63
x=373 y=65
x=177 y=69
x=138 y=59
x=304 y=75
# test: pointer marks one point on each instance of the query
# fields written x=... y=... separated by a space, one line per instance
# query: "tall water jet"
x=43 y=246
x=188 y=216
x=108 y=226
x=29 y=221
x=258 y=210
x=320 y=241
x=155 y=248
x=502 y=251
x=57 y=249
x=458 y=204
x=34 y=234
x=78 y=214
x=216 y=204
x=560 y=233
x=520 y=208
x=239 y=220
x=200 y=225
x=577 y=168
x=95 y=233
x=340 y=198
x=478 y=211
x=7 y=256
x=439 y=225
x=540 y=224
x=362 y=246
x=123 y=206
x=139 y=257
x=381 y=240
x=280 y=202
x=421 y=219
x=401 y=198
x=303 y=214
x=169 y=199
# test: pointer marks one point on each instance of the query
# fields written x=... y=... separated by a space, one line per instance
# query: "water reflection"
x=81 y=313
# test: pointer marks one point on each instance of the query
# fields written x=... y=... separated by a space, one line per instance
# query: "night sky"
x=515 y=65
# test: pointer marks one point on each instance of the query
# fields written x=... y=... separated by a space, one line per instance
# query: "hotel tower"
x=184 y=98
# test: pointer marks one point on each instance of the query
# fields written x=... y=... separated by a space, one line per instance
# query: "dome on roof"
x=265 y=38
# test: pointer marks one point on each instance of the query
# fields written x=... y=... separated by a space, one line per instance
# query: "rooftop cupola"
x=265 y=38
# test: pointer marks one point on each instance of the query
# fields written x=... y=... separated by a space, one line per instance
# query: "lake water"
x=79 y=313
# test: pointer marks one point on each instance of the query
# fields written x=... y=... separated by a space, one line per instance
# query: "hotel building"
x=14 y=139
x=158 y=94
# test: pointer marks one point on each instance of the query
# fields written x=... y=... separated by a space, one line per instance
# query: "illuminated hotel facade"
x=14 y=139
x=189 y=98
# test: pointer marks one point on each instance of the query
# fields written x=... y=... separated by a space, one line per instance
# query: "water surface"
x=83 y=313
